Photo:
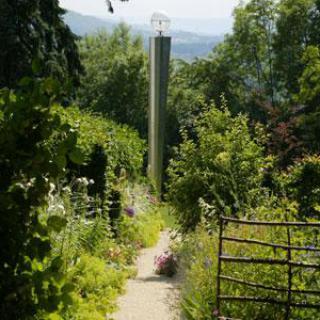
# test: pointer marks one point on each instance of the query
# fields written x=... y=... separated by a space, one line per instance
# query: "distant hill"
x=186 y=45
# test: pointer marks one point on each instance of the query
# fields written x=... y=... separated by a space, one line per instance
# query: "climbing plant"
x=30 y=282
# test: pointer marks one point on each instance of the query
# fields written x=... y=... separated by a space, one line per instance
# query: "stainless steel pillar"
x=159 y=72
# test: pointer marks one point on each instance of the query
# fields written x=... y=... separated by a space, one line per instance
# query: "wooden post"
x=289 y=258
x=219 y=264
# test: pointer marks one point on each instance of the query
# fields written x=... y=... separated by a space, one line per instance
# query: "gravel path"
x=149 y=296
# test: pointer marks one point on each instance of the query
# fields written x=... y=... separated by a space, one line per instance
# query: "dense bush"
x=143 y=231
x=30 y=281
x=222 y=166
x=301 y=183
x=122 y=145
x=105 y=152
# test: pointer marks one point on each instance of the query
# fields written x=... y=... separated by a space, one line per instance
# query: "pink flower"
x=166 y=264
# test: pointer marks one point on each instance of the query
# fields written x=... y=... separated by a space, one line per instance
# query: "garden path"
x=150 y=296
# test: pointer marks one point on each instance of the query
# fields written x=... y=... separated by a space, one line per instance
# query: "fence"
x=223 y=258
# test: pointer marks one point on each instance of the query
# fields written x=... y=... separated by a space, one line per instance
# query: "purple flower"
x=208 y=263
x=130 y=212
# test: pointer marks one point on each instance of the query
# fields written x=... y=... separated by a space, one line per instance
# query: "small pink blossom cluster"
x=152 y=199
x=166 y=264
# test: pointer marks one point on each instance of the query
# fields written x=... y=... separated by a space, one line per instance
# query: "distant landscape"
x=185 y=44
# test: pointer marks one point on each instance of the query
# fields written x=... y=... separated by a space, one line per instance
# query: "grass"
x=168 y=217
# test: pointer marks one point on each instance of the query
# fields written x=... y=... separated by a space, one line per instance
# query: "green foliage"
x=33 y=127
x=294 y=31
x=267 y=68
x=169 y=219
x=30 y=281
x=98 y=286
x=115 y=80
x=34 y=31
x=142 y=231
x=91 y=258
x=121 y=145
x=222 y=166
x=302 y=185
x=309 y=95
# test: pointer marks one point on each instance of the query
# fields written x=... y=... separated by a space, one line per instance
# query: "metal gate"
x=288 y=264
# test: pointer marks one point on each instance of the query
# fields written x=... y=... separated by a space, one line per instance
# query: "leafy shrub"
x=142 y=230
x=222 y=166
x=301 y=183
x=122 y=145
x=30 y=281
x=103 y=153
x=98 y=286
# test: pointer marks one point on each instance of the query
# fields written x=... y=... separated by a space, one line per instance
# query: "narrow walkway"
x=149 y=296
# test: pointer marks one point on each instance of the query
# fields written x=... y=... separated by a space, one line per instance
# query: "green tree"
x=309 y=97
x=293 y=35
x=264 y=69
x=33 y=29
x=115 y=80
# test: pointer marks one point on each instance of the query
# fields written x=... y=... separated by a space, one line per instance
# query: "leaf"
x=54 y=316
x=57 y=263
x=51 y=85
x=76 y=156
x=71 y=140
x=36 y=66
x=56 y=223
x=25 y=81
x=69 y=287
x=60 y=161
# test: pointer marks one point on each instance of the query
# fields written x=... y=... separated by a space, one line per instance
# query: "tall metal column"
x=159 y=72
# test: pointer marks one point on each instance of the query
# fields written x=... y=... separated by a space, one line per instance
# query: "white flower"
x=52 y=187
x=85 y=182
x=66 y=189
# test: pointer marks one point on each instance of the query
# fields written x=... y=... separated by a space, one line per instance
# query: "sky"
x=198 y=9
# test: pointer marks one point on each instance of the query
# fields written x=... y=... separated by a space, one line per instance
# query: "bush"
x=222 y=166
x=31 y=282
x=142 y=230
x=166 y=264
x=97 y=285
x=121 y=144
x=301 y=183
x=104 y=153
